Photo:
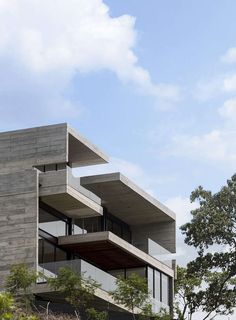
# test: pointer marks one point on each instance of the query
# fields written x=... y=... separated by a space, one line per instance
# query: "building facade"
x=103 y=225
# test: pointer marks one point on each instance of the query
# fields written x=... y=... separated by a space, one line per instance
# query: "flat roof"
x=57 y=143
x=126 y=200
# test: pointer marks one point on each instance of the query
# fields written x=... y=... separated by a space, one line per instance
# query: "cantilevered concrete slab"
x=126 y=200
x=109 y=252
x=63 y=192
x=82 y=152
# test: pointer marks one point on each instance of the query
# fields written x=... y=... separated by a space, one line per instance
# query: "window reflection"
x=51 y=223
x=165 y=289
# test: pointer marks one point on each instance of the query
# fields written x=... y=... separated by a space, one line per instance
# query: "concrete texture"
x=54 y=144
x=62 y=191
x=19 y=220
x=126 y=200
x=163 y=233
x=99 y=237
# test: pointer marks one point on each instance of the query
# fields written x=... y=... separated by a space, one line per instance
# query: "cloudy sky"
x=152 y=83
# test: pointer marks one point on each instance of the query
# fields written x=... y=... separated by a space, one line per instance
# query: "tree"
x=131 y=292
x=19 y=283
x=212 y=231
x=10 y=311
x=6 y=306
x=78 y=291
x=186 y=286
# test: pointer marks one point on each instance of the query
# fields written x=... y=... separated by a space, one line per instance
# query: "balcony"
x=110 y=252
x=107 y=283
x=160 y=253
x=63 y=192
x=102 y=298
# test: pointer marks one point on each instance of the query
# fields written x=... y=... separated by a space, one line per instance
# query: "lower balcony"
x=102 y=298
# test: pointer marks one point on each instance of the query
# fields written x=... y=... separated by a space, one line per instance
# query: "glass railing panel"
x=87 y=270
x=107 y=281
x=160 y=253
x=74 y=182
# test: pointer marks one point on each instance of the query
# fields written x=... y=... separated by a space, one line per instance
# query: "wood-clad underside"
x=105 y=255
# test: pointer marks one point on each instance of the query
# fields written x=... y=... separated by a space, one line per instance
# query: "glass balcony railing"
x=87 y=270
x=160 y=253
x=107 y=281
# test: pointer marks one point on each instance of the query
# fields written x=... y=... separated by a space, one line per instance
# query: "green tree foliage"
x=20 y=278
x=212 y=231
x=10 y=311
x=148 y=314
x=77 y=290
x=131 y=292
x=6 y=306
x=186 y=286
x=19 y=283
x=93 y=314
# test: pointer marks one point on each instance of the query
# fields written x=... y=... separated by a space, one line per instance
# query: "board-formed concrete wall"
x=18 y=219
x=163 y=233
x=23 y=149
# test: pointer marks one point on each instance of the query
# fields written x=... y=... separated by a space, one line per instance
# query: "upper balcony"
x=127 y=201
x=145 y=215
x=63 y=192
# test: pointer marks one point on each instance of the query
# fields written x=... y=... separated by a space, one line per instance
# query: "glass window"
x=51 y=224
x=78 y=226
x=40 y=250
x=60 y=255
x=150 y=281
x=140 y=271
x=117 y=229
x=157 y=281
x=165 y=289
x=118 y=273
x=126 y=234
x=109 y=225
x=92 y=224
x=48 y=252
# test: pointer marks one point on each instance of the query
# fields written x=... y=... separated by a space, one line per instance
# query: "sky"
x=152 y=83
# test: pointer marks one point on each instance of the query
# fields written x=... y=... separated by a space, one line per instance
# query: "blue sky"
x=152 y=83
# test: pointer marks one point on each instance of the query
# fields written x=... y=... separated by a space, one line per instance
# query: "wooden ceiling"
x=105 y=255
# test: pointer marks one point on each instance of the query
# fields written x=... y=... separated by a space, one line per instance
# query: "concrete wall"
x=163 y=233
x=18 y=219
x=23 y=149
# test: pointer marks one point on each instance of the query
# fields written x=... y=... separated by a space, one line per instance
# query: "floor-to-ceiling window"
x=159 y=286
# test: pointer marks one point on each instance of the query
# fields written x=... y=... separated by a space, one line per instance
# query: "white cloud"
x=218 y=145
x=220 y=85
x=208 y=89
x=182 y=207
x=228 y=110
x=67 y=36
x=229 y=83
x=229 y=56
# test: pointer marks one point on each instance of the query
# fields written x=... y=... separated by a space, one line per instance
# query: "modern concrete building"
x=104 y=225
